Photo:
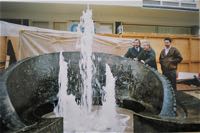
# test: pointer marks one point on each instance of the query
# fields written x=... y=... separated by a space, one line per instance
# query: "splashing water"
x=60 y=109
x=109 y=117
x=87 y=118
x=109 y=106
x=66 y=102
x=86 y=29
x=76 y=119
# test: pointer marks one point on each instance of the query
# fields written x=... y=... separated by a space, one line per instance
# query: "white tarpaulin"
x=10 y=29
x=34 y=43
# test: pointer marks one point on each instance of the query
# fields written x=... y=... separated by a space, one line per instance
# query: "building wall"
x=135 y=19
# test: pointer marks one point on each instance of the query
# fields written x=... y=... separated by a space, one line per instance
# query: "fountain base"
x=53 y=125
x=125 y=114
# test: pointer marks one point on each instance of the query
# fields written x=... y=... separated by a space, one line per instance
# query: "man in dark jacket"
x=135 y=50
x=169 y=59
x=148 y=56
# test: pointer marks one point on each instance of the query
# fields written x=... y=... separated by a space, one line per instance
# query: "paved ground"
x=189 y=89
x=184 y=87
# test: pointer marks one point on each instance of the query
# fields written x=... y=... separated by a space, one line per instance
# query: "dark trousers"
x=171 y=76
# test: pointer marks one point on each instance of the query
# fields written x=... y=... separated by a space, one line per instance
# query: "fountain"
x=75 y=117
x=93 y=87
x=86 y=65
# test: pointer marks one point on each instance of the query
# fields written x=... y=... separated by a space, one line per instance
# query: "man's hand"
x=142 y=61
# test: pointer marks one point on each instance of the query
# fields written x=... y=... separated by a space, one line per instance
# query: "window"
x=60 y=26
x=139 y=28
x=40 y=24
x=104 y=28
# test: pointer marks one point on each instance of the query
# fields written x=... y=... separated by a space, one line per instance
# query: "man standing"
x=148 y=56
x=135 y=50
x=169 y=59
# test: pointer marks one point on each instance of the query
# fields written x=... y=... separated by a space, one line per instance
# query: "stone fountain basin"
x=29 y=88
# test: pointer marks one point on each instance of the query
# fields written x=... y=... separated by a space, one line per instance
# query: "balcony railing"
x=172 y=4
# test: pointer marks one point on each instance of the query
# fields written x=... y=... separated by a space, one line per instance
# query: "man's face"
x=137 y=44
x=133 y=43
x=145 y=46
x=167 y=43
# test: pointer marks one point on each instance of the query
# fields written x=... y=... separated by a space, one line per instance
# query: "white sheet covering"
x=36 y=41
